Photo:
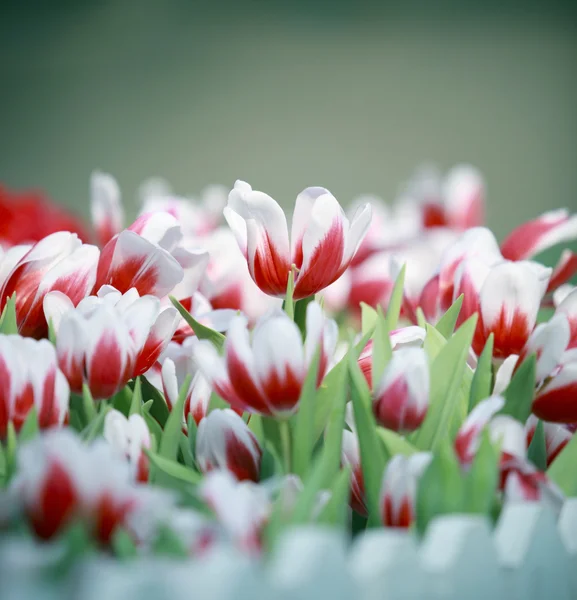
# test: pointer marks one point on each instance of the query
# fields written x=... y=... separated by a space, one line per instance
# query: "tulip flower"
x=351 y=456
x=150 y=257
x=128 y=437
x=109 y=339
x=509 y=301
x=399 y=488
x=556 y=437
x=9 y=259
x=60 y=480
x=405 y=337
x=242 y=508
x=469 y=436
x=290 y=488
x=568 y=307
x=549 y=229
x=401 y=398
x=59 y=262
x=224 y=441
x=556 y=400
x=266 y=377
x=30 y=379
x=105 y=206
x=322 y=245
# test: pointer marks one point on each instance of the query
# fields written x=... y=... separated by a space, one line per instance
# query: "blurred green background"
x=348 y=95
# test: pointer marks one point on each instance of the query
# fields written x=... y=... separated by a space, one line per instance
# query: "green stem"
x=88 y=404
x=285 y=438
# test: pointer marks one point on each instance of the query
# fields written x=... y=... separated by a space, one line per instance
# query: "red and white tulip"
x=401 y=397
x=60 y=480
x=129 y=436
x=265 y=376
x=109 y=339
x=322 y=243
x=351 y=456
x=224 y=441
x=568 y=307
x=59 y=262
x=399 y=488
x=106 y=207
x=549 y=229
x=556 y=400
x=30 y=379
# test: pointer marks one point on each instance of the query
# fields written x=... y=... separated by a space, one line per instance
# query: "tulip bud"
x=399 y=488
x=224 y=441
x=402 y=397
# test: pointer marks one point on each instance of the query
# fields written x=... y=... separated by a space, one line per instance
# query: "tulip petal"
x=556 y=401
x=568 y=307
x=105 y=206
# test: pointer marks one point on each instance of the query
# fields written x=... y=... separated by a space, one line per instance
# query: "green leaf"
x=521 y=391
x=421 y=319
x=288 y=304
x=382 y=350
x=303 y=434
x=202 y=332
x=136 y=404
x=434 y=341
x=272 y=434
x=537 y=451
x=122 y=544
x=8 y=322
x=562 y=470
x=483 y=478
x=51 y=332
x=396 y=443
x=172 y=468
x=153 y=426
x=11 y=448
x=271 y=464
x=255 y=425
x=335 y=512
x=96 y=426
x=192 y=431
x=440 y=490
x=187 y=455
x=371 y=449
x=447 y=322
x=170 y=440
x=396 y=301
x=300 y=316
x=216 y=402
x=482 y=383
x=307 y=499
x=368 y=318
x=2 y=466
x=122 y=400
x=448 y=403
x=167 y=543
x=88 y=404
x=159 y=409
x=29 y=429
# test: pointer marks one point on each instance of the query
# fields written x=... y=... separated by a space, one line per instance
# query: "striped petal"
x=464 y=196
x=568 y=307
x=105 y=206
x=556 y=401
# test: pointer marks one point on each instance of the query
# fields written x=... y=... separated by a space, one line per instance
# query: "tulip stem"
x=285 y=438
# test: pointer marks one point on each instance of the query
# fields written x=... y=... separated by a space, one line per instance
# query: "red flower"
x=29 y=216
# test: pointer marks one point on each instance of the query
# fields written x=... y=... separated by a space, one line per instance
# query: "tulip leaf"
x=122 y=400
x=172 y=468
x=368 y=318
x=192 y=432
x=202 y=332
x=123 y=545
x=562 y=470
x=159 y=409
x=434 y=341
x=88 y=404
x=272 y=434
x=303 y=433
x=396 y=443
x=8 y=322
x=421 y=319
x=537 y=451
x=382 y=350
x=29 y=429
x=271 y=464
x=446 y=324
x=448 y=400
x=482 y=479
x=136 y=403
x=95 y=427
x=2 y=466
x=216 y=403
x=300 y=314
x=482 y=383
x=371 y=448
x=440 y=489
x=336 y=510
x=11 y=448
x=153 y=426
x=396 y=301
x=169 y=443
x=307 y=499
x=167 y=543
x=521 y=391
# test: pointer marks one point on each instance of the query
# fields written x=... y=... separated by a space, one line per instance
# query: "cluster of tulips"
x=207 y=375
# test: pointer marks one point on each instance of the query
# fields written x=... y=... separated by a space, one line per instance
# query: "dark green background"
x=349 y=95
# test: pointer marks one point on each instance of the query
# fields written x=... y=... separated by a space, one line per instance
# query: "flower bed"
x=247 y=402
